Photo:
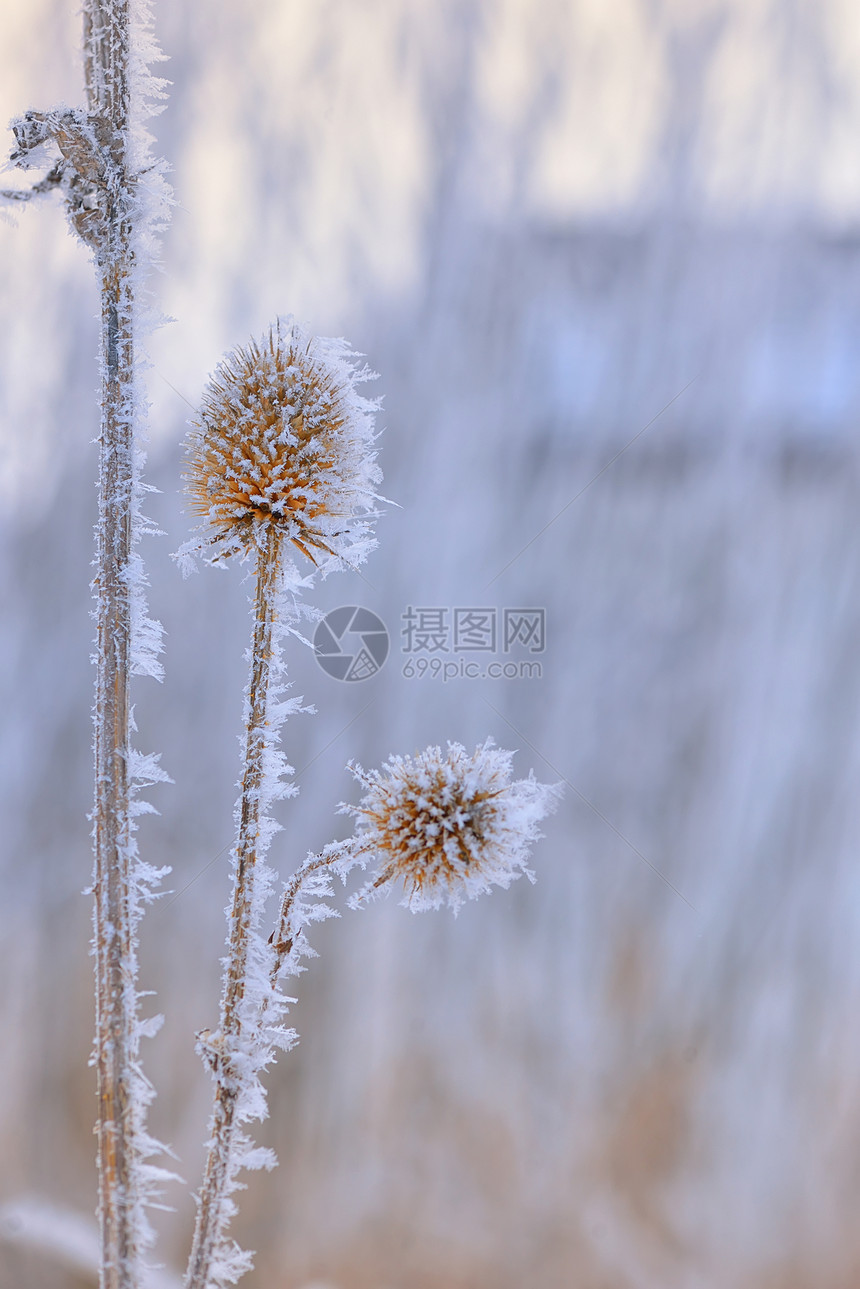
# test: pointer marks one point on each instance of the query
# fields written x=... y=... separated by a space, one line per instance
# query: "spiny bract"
x=448 y=825
x=284 y=438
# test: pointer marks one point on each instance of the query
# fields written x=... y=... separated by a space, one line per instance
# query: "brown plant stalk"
x=220 y=1048
x=280 y=460
x=96 y=159
x=106 y=72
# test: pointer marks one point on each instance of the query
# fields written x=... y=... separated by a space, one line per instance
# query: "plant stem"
x=212 y=1215
x=106 y=68
x=283 y=938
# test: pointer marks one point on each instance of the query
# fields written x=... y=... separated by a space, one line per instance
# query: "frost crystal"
x=284 y=438
x=448 y=825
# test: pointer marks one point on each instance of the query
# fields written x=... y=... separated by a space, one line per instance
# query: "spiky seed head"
x=284 y=438
x=448 y=825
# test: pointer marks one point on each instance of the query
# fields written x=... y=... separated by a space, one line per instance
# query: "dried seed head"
x=448 y=825
x=284 y=438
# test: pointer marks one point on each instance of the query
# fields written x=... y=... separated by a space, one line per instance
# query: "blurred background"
x=605 y=255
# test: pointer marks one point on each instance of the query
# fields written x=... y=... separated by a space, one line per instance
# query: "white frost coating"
x=68 y=1238
x=117 y=200
x=252 y=1028
x=123 y=233
x=263 y=1033
x=280 y=456
x=447 y=825
x=152 y=206
x=285 y=438
x=147 y=635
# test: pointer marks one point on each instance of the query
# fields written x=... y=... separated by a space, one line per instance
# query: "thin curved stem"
x=284 y=935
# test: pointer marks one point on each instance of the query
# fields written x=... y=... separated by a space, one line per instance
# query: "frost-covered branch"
x=106 y=150
x=242 y=1048
x=239 y=1050
x=94 y=157
x=87 y=167
x=312 y=881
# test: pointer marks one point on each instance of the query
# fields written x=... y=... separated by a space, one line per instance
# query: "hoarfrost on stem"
x=281 y=456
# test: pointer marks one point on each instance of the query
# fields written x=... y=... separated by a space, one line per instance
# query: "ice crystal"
x=448 y=825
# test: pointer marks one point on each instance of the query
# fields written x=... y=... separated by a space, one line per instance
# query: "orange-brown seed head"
x=447 y=825
x=283 y=438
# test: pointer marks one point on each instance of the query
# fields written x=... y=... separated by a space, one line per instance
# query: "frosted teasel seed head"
x=284 y=438
x=447 y=825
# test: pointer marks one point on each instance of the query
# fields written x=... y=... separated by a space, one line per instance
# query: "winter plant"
x=281 y=457
x=281 y=467
x=99 y=159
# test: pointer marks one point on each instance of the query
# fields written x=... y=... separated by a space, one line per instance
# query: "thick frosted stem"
x=106 y=65
x=222 y=1048
x=115 y=987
